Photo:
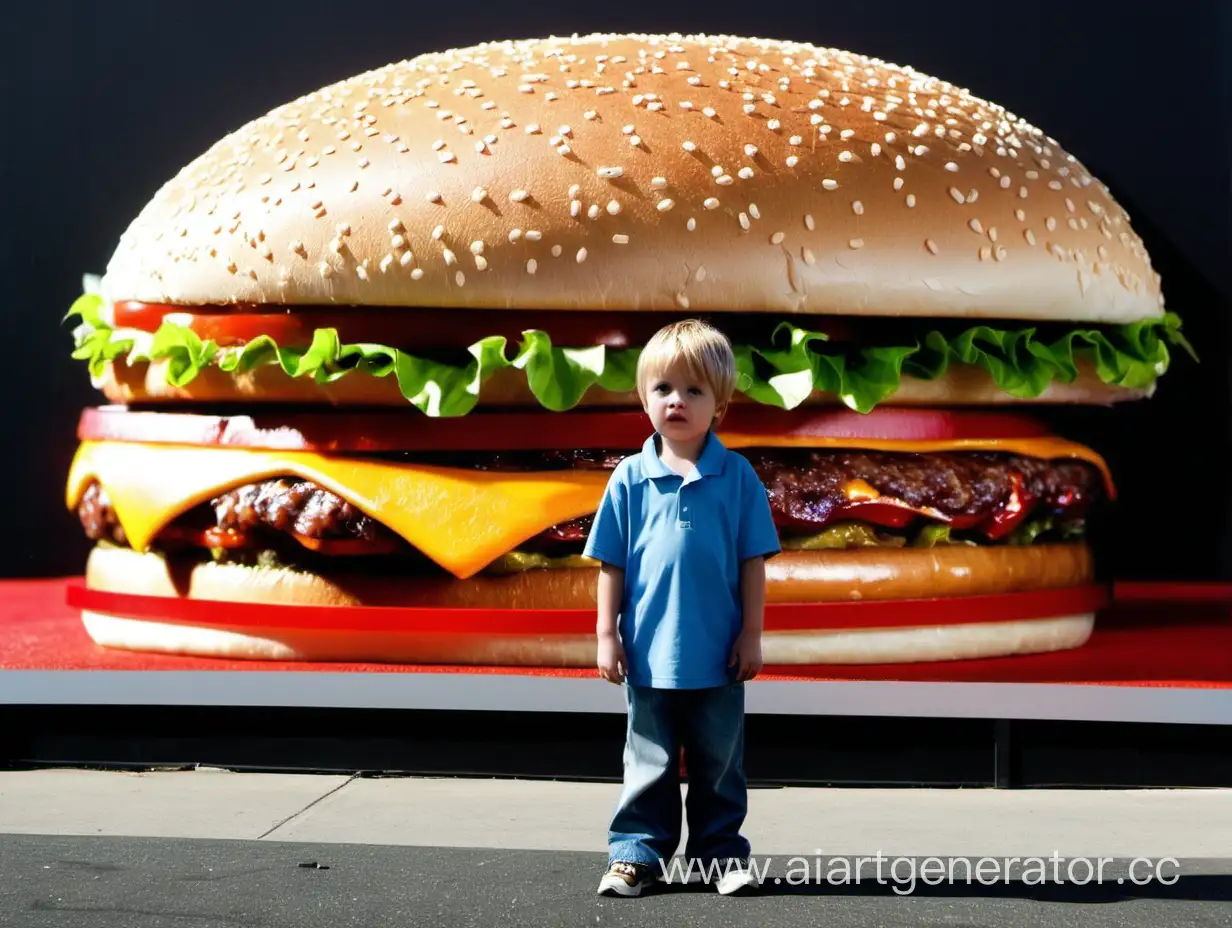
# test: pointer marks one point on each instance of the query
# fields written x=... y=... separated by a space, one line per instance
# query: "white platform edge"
x=522 y=693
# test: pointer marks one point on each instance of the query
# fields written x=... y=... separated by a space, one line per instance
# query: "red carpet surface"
x=1173 y=635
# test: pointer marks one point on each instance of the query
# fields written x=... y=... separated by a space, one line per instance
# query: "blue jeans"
x=709 y=723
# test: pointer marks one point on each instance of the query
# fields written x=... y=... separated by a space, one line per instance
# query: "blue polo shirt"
x=680 y=541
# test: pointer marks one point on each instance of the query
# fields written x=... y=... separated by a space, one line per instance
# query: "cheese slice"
x=460 y=518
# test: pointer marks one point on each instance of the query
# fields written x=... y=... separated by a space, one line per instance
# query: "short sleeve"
x=757 y=536
x=608 y=540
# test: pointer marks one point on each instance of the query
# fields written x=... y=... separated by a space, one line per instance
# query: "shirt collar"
x=710 y=464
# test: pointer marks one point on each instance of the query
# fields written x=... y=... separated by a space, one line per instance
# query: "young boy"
x=682 y=535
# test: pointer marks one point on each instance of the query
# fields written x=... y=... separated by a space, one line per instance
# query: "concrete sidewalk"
x=567 y=816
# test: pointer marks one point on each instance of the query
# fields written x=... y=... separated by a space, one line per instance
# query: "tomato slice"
x=419 y=328
x=347 y=430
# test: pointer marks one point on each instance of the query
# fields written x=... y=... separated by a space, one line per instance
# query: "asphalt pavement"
x=189 y=848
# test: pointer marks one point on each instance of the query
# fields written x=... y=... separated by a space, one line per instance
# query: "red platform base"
x=1172 y=635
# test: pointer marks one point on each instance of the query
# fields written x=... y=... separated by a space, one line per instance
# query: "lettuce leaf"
x=783 y=373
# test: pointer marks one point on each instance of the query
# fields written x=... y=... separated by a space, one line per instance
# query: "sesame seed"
x=744 y=221
x=665 y=204
x=610 y=173
x=1020 y=215
x=711 y=203
x=658 y=183
x=477 y=247
x=619 y=239
x=985 y=253
x=911 y=200
x=795 y=140
x=754 y=211
x=386 y=262
x=557 y=251
x=533 y=129
x=723 y=179
x=809 y=258
x=533 y=235
x=957 y=195
x=481 y=263
x=447 y=157
x=575 y=208
x=479 y=194
x=829 y=184
x=613 y=208
x=691 y=224
x=750 y=150
x=992 y=233
x=773 y=125
x=975 y=226
x=931 y=245
x=417 y=274
x=325 y=270
x=361 y=272
x=1051 y=224
x=792 y=161
x=594 y=211
x=397 y=241
x=406 y=258
x=581 y=255
x=845 y=156
x=682 y=301
x=531 y=266
x=688 y=146
x=856 y=243
x=450 y=257
x=460 y=278
x=900 y=163
x=517 y=196
x=951 y=166
x=777 y=238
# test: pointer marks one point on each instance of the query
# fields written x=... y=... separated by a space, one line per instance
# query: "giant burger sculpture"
x=370 y=357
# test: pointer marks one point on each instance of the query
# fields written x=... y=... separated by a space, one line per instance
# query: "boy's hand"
x=611 y=659
x=746 y=657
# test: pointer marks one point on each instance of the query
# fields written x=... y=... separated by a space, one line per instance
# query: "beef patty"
x=806 y=489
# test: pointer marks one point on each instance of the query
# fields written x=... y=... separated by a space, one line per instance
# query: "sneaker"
x=624 y=878
x=737 y=878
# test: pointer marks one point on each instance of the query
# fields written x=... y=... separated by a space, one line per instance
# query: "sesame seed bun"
x=643 y=173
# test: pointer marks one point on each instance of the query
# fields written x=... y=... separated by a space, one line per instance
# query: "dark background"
x=102 y=102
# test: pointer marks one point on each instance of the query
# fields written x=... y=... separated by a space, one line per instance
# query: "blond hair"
x=705 y=352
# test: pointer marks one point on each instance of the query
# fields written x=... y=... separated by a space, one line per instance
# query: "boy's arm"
x=746 y=653
x=610 y=657
x=753 y=595
x=611 y=588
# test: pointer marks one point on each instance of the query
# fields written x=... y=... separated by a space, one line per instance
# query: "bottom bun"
x=863 y=646
x=792 y=577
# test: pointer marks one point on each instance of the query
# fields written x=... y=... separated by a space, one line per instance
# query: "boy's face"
x=681 y=406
